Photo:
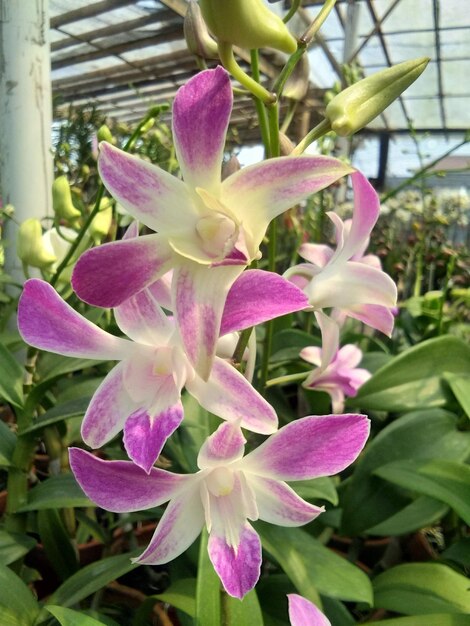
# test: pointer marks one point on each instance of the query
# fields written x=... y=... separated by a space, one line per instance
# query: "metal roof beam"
x=437 y=41
x=91 y=10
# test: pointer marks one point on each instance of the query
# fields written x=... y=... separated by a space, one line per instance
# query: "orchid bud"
x=286 y=144
x=101 y=223
x=360 y=103
x=62 y=200
x=104 y=134
x=157 y=109
x=198 y=40
x=30 y=248
x=147 y=126
x=248 y=24
x=296 y=86
x=230 y=167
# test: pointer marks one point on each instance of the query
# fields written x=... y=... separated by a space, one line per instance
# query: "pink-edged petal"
x=132 y=230
x=239 y=570
x=161 y=290
x=329 y=337
x=274 y=186
x=108 y=410
x=348 y=357
x=366 y=212
x=47 y=322
x=310 y=447
x=151 y=195
x=303 y=613
x=178 y=528
x=224 y=446
x=145 y=435
x=311 y=354
x=230 y=396
x=301 y=275
x=351 y=284
x=257 y=296
x=121 y=486
x=370 y=259
x=379 y=317
x=279 y=504
x=316 y=253
x=199 y=295
x=201 y=112
x=142 y=319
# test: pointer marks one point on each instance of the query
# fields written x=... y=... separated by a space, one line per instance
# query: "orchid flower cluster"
x=180 y=296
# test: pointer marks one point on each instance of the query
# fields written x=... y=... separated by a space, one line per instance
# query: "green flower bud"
x=30 y=247
x=62 y=200
x=104 y=134
x=101 y=223
x=357 y=105
x=157 y=109
x=198 y=40
x=248 y=24
x=147 y=126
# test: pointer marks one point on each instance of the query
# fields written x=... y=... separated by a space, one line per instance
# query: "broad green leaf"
x=92 y=578
x=246 y=612
x=426 y=620
x=337 y=613
x=16 y=600
x=460 y=385
x=421 y=588
x=14 y=545
x=67 y=617
x=208 y=594
x=57 y=544
x=323 y=488
x=444 y=480
x=312 y=567
x=459 y=552
x=57 y=492
x=11 y=378
x=414 y=379
x=272 y=592
x=7 y=444
x=182 y=595
x=52 y=366
x=419 y=513
x=67 y=410
x=368 y=500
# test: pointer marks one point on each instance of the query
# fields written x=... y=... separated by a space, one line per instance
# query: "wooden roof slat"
x=91 y=10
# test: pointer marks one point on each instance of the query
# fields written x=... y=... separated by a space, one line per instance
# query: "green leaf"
x=57 y=492
x=92 y=578
x=52 y=366
x=444 y=480
x=67 y=617
x=312 y=567
x=415 y=378
x=460 y=385
x=7 y=444
x=459 y=552
x=208 y=606
x=419 y=513
x=422 y=588
x=182 y=595
x=14 y=545
x=323 y=488
x=246 y=612
x=426 y=620
x=368 y=500
x=11 y=378
x=67 y=410
x=57 y=544
x=16 y=600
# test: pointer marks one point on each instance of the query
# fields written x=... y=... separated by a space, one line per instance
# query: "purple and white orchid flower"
x=345 y=279
x=336 y=371
x=229 y=490
x=142 y=393
x=302 y=612
x=207 y=230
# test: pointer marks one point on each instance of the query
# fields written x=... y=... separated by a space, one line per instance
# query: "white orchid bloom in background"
x=344 y=279
x=207 y=230
x=228 y=490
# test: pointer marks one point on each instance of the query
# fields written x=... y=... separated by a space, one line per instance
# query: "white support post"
x=25 y=116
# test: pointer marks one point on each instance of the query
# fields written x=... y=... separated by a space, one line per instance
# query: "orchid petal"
x=258 y=296
x=301 y=275
x=199 y=295
x=151 y=195
x=316 y=253
x=47 y=322
x=225 y=445
x=201 y=112
x=179 y=526
x=329 y=336
x=228 y=394
x=121 y=486
x=348 y=356
x=276 y=185
x=109 y=274
x=238 y=569
x=161 y=290
x=145 y=435
x=279 y=504
x=379 y=317
x=311 y=354
x=310 y=447
x=142 y=319
x=108 y=410
x=349 y=284
x=304 y=613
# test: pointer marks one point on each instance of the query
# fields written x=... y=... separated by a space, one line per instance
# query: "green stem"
x=224 y=608
x=292 y=11
x=241 y=346
x=288 y=69
x=230 y=64
x=321 y=129
x=259 y=104
x=317 y=23
x=289 y=116
x=288 y=378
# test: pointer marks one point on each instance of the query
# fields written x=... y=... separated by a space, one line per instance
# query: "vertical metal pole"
x=25 y=115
